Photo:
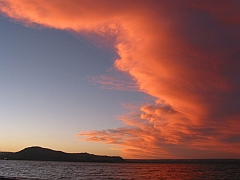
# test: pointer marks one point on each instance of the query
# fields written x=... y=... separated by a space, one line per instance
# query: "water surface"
x=37 y=170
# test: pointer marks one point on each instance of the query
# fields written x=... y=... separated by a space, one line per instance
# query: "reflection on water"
x=128 y=171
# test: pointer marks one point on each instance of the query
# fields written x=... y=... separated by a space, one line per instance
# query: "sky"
x=138 y=79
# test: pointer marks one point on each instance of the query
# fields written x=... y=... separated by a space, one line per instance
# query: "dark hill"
x=44 y=154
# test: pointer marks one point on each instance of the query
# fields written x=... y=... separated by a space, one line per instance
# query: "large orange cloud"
x=183 y=53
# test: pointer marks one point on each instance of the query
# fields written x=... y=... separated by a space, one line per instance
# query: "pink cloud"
x=114 y=82
x=185 y=54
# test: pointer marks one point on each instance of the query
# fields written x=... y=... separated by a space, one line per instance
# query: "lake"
x=39 y=170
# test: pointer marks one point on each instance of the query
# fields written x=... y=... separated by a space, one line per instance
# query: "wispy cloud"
x=183 y=53
x=113 y=82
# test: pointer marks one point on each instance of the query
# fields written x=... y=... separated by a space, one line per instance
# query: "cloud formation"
x=184 y=53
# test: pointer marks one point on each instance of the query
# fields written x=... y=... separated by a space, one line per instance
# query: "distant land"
x=36 y=153
x=44 y=154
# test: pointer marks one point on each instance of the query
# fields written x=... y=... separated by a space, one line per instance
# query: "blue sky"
x=47 y=92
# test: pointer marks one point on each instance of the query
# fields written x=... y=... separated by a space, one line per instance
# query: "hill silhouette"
x=44 y=154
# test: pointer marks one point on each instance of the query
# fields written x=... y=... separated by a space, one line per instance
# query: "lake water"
x=35 y=170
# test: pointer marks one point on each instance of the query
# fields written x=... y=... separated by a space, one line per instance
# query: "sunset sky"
x=135 y=78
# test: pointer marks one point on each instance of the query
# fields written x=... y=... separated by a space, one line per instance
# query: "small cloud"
x=112 y=82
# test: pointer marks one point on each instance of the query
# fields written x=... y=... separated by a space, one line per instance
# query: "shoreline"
x=156 y=161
